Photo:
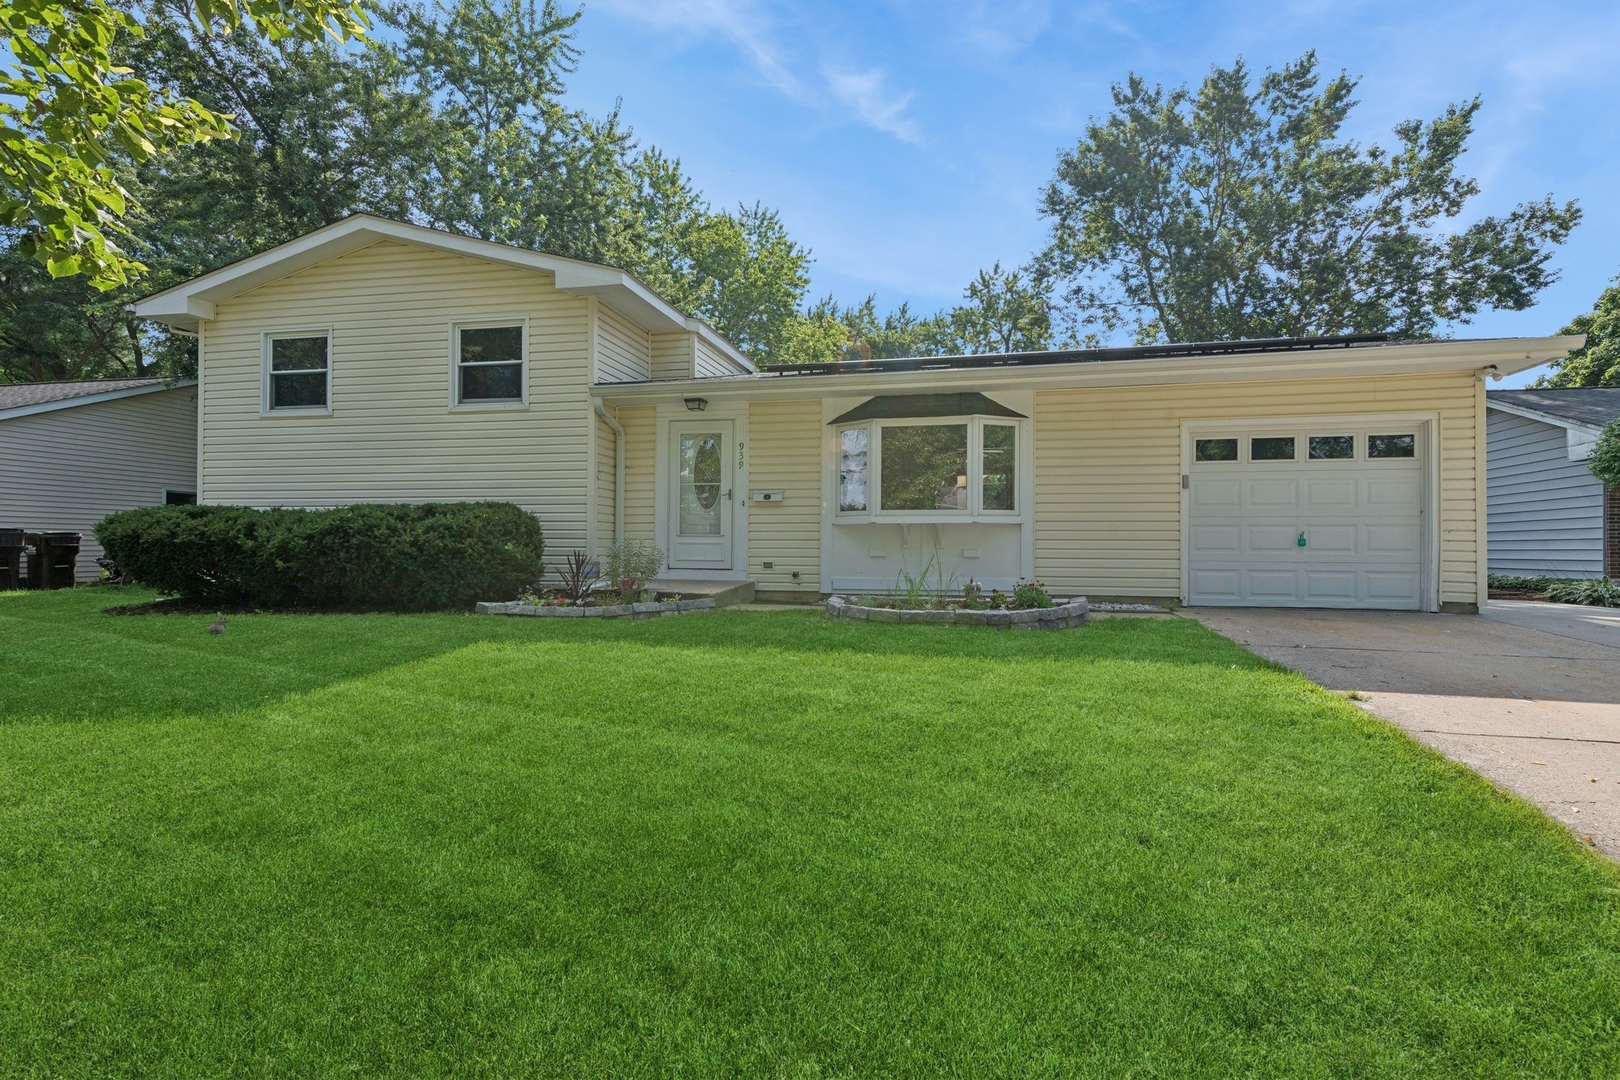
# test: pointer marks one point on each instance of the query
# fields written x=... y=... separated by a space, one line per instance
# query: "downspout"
x=618 y=468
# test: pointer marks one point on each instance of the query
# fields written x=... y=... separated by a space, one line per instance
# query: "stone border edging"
x=650 y=610
x=1067 y=614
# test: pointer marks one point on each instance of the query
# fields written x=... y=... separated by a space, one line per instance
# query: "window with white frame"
x=488 y=364
x=919 y=468
x=298 y=370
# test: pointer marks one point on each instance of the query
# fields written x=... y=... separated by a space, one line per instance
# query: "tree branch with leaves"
x=70 y=114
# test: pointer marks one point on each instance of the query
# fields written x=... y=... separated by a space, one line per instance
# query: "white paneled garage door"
x=1326 y=516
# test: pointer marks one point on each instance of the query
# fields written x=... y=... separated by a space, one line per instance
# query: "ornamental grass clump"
x=631 y=564
x=1595 y=592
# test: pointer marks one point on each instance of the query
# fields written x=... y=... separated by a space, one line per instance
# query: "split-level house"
x=378 y=361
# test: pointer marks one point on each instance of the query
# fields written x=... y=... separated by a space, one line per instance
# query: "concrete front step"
x=724 y=593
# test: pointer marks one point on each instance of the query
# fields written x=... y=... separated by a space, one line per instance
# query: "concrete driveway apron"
x=1527 y=694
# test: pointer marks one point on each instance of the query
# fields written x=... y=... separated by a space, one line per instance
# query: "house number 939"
x=739 y=455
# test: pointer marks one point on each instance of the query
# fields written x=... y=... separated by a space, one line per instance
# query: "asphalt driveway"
x=1527 y=694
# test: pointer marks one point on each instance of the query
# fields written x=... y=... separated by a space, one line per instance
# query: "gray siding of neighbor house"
x=1545 y=511
x=69 y=468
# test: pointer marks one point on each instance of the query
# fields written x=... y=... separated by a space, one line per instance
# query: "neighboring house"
x=1549 y=516
x=73 y=452
x=373 y=360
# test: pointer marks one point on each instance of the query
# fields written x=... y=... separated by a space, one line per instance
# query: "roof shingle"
x=1590 y=405
x=19 y=395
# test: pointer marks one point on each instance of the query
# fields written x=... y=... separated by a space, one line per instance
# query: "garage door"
x=1324 y=517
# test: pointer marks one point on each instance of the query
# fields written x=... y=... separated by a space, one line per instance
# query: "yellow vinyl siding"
x=1108 y=472
x=672 y=355
x=709 y=363
x=66 y=469
x=392 y=436
x=785 y=454
x=623 y=349
x=640 y=423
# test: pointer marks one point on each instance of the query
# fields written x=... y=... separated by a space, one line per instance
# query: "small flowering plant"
x=1031 y=594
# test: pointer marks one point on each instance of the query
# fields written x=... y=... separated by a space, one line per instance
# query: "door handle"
x=728 y=494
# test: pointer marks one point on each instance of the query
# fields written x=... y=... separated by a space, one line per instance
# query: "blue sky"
x=906 y=143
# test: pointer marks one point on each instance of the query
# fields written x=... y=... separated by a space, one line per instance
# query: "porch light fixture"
x=696 y=404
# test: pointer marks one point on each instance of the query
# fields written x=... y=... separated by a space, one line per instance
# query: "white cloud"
x=759 y=35
x=868 y=96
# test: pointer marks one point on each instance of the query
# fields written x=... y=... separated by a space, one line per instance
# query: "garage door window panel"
x=1391 y=446
x=1332 y=447
x=1272 y=448
x=1215 y=450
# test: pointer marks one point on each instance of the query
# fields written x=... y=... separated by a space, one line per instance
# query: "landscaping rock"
x=650 y=610
x=1067 y=614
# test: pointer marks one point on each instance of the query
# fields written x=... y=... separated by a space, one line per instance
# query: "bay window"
x=924 y=469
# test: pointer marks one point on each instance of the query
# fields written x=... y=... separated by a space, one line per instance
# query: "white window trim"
x=975 y=455
x=492 y=405
x=264 y=371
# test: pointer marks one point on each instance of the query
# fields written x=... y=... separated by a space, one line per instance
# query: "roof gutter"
x=618 y=467
x=1507 y=355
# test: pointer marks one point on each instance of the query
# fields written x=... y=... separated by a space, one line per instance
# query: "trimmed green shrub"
x=366 y=557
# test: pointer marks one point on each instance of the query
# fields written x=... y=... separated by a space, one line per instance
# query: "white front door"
x=1329 y=515
x=702 y=495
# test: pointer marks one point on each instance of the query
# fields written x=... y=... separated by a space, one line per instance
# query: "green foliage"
x=71 y=115
x=1241 y=211
x=1527 y=584
x=1005 y=311
x=631 y=564
x=1031 y=594
x=1598 y=592
x=1605 y=459
x=452 y=119
x=367 y=557
x=1597 y=363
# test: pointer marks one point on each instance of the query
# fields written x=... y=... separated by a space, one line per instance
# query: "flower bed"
x=1059 y=617
x=651 y=609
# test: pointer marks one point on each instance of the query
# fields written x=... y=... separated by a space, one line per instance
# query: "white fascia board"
x=1504 y=355
x=183 y=305
x=90 y=399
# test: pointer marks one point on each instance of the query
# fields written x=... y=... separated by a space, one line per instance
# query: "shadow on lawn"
x=70 y=661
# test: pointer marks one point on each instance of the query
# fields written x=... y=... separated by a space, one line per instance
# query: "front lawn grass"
x=755 y=844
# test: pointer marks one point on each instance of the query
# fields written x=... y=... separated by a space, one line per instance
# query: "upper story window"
x=298 y=372
x=913 y=469
x=489 y=364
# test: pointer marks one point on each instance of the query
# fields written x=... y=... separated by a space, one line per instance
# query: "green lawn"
x=755 y=844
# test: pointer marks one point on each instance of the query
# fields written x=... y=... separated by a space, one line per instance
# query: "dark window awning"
x=909 y=405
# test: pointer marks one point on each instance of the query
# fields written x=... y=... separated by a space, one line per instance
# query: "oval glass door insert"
x=701 y=466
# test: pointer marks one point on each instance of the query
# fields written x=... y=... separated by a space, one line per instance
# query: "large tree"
x=1240 y=210
x=452 y=119
x=71 y=113
x=1597 y=363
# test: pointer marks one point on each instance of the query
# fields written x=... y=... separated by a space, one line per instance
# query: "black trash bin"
x=11 y=559
x=53 y=559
